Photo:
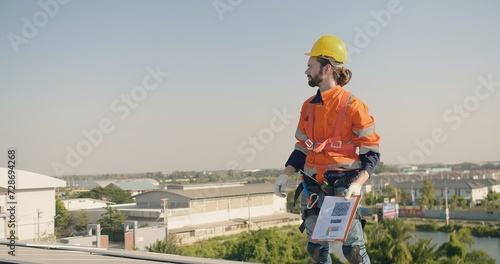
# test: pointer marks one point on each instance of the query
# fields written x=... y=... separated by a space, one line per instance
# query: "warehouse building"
x=34 y=208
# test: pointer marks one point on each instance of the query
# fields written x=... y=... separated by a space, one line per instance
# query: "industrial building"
x=34 y=205
x=201 y=211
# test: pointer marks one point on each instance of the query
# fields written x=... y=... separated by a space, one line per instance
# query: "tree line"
x=387 y=242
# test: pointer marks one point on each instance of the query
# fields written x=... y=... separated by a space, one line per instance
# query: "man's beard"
x=315 y=80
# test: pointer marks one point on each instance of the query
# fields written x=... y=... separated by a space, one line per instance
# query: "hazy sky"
x=93 y=87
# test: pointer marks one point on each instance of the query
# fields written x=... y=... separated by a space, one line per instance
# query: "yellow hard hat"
x=329 y=46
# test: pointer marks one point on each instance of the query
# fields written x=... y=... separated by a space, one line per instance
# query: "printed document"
x=335 y=218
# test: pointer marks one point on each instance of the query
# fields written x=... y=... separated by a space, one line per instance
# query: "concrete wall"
x=219 y=216
x=149 y=235
x=80 y=241
x=205 y=233
x=153 y=199
x=464 y=215
x=225 y=209
x=86 y=241
x=440 y=214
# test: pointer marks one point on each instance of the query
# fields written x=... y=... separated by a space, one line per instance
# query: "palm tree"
x=399 y=234
x=428 y=195
x=376 y=242
x=423 y=252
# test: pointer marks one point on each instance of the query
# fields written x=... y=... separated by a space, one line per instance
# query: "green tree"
x=112 y=223
x=452 y=249
x=423 y=252
x=275 y=245
x=464 y=236
x=109 y=193
x=491 y=196
x=389 y=241
x=404 y=197
x=208 y=249
x=369 y=199
x=478 y=256
x=82 y=220
x=390 y=191
x=166 y=246
x=376 y=242
x=295 y=209
x=399 y=234
x=62 y=218
x=458 y=201
x=264 y=246
x=428 y=195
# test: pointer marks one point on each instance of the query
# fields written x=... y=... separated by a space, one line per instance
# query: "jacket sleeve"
x=369 y=161
x=298 y=157
x=365 y=137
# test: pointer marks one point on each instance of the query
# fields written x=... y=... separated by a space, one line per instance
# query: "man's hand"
x=280 y=185
x=354 y=189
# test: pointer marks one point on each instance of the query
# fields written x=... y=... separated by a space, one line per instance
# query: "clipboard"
x=335 y=218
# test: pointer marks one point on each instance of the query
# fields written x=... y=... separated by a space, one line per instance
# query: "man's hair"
x=341 y=75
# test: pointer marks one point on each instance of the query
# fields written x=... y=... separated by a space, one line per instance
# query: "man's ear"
x=328 y=69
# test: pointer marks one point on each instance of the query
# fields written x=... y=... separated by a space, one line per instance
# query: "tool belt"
x=333 y=178
x=341 y=178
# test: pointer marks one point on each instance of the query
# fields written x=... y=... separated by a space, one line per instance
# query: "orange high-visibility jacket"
x=316 y=132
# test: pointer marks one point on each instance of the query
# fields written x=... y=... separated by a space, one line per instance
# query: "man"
x=336 y=144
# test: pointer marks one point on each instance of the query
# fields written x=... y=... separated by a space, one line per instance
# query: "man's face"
x=314 y=72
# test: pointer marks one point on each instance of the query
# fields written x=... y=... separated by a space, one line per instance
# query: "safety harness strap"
x=335 y=142
x=305 y=214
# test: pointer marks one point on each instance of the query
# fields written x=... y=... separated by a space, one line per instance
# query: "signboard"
x=389 y=211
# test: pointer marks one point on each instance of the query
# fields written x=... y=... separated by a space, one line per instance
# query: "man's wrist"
x=363 y=176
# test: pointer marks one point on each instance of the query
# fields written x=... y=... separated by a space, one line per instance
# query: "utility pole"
x=165 y=220
x=373 y=191
x=39 y=215
x=248 y=196
x=412 y=198
x=447 y=211
x=397 y=204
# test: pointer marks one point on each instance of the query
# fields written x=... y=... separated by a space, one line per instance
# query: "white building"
x=492 y=184
x=84 y=203
x=35 y=207
x=214 y=203
x=470 y=190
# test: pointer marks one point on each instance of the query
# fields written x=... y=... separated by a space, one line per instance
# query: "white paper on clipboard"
x=335 y=218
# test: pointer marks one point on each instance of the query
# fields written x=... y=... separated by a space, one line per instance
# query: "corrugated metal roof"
x=213 y=192
x=135 y=186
